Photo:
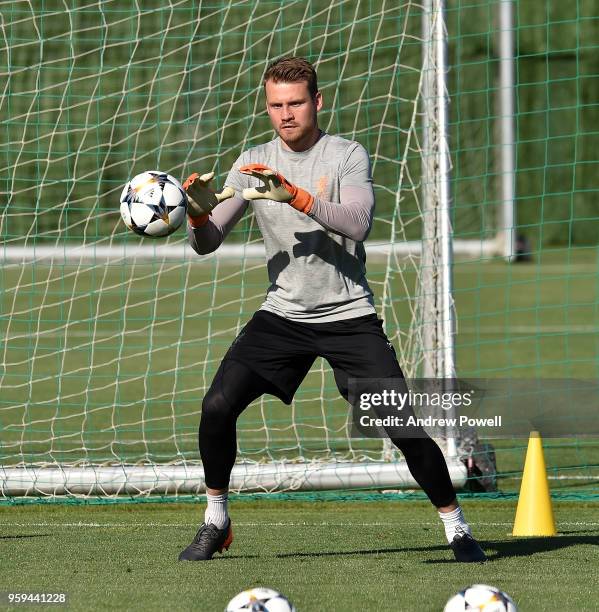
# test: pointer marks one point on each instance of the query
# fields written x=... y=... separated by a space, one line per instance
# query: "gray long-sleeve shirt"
x=316 y=262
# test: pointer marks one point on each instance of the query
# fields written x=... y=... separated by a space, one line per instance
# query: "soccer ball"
x=260 y=600
x=153 y=204
x=481 y=597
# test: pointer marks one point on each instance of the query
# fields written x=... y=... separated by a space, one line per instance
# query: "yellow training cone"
x=534 y=515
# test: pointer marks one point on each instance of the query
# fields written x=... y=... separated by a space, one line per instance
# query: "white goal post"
x=376 y=251
x=180 y=479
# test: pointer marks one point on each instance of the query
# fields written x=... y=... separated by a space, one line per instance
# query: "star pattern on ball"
x=161 y=197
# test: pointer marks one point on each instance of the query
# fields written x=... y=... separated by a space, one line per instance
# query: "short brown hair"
x=292 y=70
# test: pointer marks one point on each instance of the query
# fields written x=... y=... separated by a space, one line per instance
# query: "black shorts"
x=283 y=351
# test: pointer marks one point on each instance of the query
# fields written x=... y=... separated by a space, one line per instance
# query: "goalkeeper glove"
x=276 y=187
x=202 y=199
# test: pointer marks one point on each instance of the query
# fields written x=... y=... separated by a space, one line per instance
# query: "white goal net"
x=108 y=342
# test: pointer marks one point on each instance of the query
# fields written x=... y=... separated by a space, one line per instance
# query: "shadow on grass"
x=316 y=554
x=526 y=547
x=342 y=553
x=495 y=549
x=31 y=535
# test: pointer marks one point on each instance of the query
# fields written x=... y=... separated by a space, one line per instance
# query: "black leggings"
x=235 y=386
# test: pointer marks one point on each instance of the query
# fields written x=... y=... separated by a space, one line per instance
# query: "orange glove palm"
x=276 y=187
x=202 y=199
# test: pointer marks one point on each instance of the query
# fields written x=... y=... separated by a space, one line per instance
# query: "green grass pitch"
x=337 y=556
x=530 y=320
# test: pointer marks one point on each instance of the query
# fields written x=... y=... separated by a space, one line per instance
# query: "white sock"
x=216 y=510
x=454 y=523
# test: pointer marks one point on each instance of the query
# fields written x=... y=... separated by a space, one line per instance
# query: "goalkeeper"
x=313 y=200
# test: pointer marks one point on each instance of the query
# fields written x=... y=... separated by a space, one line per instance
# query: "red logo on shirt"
x=321 y=186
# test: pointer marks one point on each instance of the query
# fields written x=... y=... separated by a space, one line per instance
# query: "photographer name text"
x=429 y=421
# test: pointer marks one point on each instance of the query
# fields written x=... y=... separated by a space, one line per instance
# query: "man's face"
x=292 y=111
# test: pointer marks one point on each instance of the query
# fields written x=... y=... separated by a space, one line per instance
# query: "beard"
x=298 y=133
x=297 y=136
